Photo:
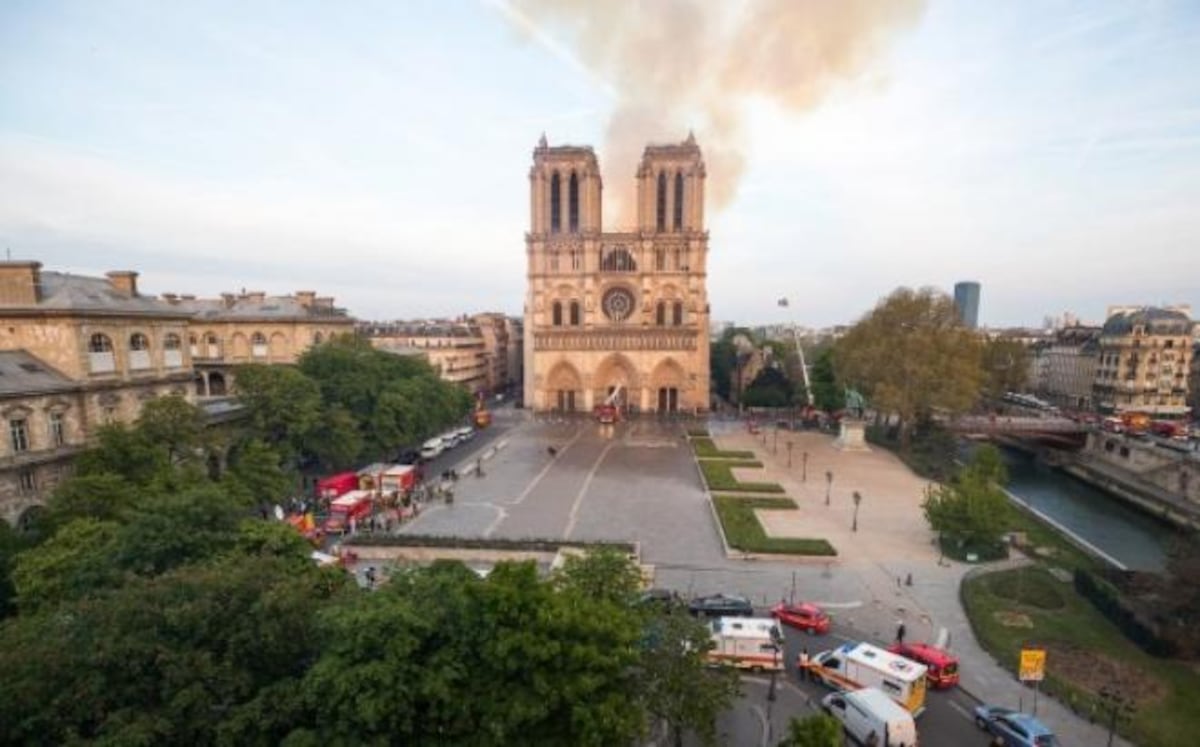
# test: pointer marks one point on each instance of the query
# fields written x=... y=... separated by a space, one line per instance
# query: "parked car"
x=1013 y=728
x=662 y=598
x=941 y=664
x=805 y=616
x=464 y=434
x=721 y=605
x=868 y=714
x=408 y=456
x=432 y=448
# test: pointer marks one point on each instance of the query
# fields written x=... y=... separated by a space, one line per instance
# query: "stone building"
x=1066 y=367
x=253 y=327
x=78 y=352
x=456 y=350
x=620 y=315
x=1145 y=357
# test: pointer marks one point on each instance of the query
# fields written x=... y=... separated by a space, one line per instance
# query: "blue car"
x=1013 y=728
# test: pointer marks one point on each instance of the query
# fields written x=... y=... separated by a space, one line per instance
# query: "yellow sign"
x=1033 y=664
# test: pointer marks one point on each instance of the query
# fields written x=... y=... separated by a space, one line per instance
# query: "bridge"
x=1056 y=431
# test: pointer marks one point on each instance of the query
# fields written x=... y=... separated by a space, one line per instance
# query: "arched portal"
x=667 y=382
x=564 y=388
x=616 y=379
x=216 y=384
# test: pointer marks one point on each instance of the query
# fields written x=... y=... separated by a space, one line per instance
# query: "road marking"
x=960 y=709
x=574 y=515
x=533 y=483
x=840 y=605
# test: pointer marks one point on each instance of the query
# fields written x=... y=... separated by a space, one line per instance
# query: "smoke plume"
x=680 y=65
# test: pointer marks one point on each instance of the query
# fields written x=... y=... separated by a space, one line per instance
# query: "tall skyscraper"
x=966 y=299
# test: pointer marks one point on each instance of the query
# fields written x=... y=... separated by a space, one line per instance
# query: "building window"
x=677 y=314
x=574 y=313
x=573 y=203
x=678 y=201
x=660 y=259
x=555 y=203
x=679 y=259
x=173 y=351
x=553 y=260
x=26 y=482
x=618 y=260
x=661 y=203
x=660 y=314
x=258 y=345
x=58 y=433
x=556 y=314
x=18 y=431
x=100 y=354
x=576 y=259
x=139 y=352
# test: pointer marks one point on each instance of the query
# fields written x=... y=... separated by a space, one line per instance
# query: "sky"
x=379 y=151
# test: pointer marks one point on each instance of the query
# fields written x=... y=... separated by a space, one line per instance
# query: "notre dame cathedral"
x=619 y=317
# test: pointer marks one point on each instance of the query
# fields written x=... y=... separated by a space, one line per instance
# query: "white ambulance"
x=852 y=666
x=754 y=643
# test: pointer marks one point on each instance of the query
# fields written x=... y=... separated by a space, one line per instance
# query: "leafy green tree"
x=11 y=543
x=828 y=395
x=770 y=388
x=174 y=424
x=1005 y=365
x=170 y=529
x=256 y=474
x=283 y=405
x=337 y=441
x=606 y=574
x=722 y=357
x=676 y=683
x=817 y=730
x=99 y=495
x=127 y=452
x=76 y=561
x=911 y=356
x=972 y=509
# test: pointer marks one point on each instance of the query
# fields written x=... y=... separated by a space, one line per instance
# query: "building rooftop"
x=22 y=373
x=1156 y=321
x=61 y=290
x=258 y=306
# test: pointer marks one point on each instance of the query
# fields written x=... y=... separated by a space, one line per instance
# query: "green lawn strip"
x=1060 y=615
x=1039 y=534
x=744 y=532
x=718 y=476
x=706 y=449
x=697 y=432
x=735 y=463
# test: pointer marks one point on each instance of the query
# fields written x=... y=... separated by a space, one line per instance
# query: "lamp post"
x=804 y=472
x=789 y=448
x=775 y=439
x=828 y=485
x=1119 y=707
x=857 y=500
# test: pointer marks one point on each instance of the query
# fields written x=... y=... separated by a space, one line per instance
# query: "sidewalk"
x=892 y=542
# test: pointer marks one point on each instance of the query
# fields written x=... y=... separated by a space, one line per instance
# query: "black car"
x=408 y=456
x=663 y=599
x=721 y=605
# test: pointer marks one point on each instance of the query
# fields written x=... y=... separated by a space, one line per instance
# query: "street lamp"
x=828 y=484
x=775 y=439
x=1119 y=707
x=789 y=447
x=804 y=473
x=857 y=500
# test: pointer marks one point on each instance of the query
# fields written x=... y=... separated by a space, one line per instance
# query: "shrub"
x=718 y=476
x=697 y=432
x=744 y=532
x=706 y=449
x=1107 y=599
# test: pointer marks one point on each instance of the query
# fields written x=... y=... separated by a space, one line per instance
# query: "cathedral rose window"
x=617 y=304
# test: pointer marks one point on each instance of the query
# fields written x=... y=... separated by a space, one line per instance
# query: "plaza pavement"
x=892 y=541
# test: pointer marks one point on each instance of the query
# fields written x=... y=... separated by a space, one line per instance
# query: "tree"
x=722 y=356
x=602 y=575
x=1005 y=365
x=828 y=395
x=817 y=730
x=174 y=424
x=972 y=508
x=283 y=405
x=103 y=496
x=770 y=388
x=911 y=356
x=126 y=452
x=73 y=563
x=675 y=681
x=256 y=474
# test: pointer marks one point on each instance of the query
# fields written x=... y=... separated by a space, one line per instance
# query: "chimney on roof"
x=228 y=299
x=256 y=296
x=171 y=298
x=306 y=298
x=188 y=297
x=124 y=282
x=20 y=283
x=323 y=302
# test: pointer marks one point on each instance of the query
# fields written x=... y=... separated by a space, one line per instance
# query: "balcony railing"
x=99 y=363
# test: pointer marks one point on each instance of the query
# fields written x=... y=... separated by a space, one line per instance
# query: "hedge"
x=698 y=432
x=1107 y=600
x=718 y=476
x=706 y=449
x=744 y=532
x=480 y=543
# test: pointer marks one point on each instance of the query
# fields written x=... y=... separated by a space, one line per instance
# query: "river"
x=1128 y=535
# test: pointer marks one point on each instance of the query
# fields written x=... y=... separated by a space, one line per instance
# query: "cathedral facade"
x=617 y=317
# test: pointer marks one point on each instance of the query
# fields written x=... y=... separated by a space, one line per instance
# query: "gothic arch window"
x=171 y=342
x=556 y=314
x=618 y=260
x=138 y=341
x=574 y=315
x=661 y=202
x=258 y=345
x=555 y=203
x=660 y=313
x=100 y=343
x=573 y=203
x=678 y=200
x=677 y=314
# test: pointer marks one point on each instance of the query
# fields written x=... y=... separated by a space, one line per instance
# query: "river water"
x=1133 y=538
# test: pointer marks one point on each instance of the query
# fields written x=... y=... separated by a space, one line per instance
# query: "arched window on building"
x=678 y=201
x=556 y=314
x=661 y=202
x=213 y=345
x=677 y=314
x=172 y=351
x=574 y=315
x=618 y=260
x=193 y=345
x=573 y=203
x=555 y=203
x=100 y=354
x=660 y=313
x=258 y=345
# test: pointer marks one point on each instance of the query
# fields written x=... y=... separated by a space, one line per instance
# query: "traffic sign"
x=1033 y=664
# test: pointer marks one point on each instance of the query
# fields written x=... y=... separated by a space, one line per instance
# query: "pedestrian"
x=370 y=574
x=900 y=632
x=802 y=662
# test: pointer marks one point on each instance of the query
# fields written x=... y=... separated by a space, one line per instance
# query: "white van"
x=870 y=714
x=431 y=448
x=754 y=643
x=854 y=665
